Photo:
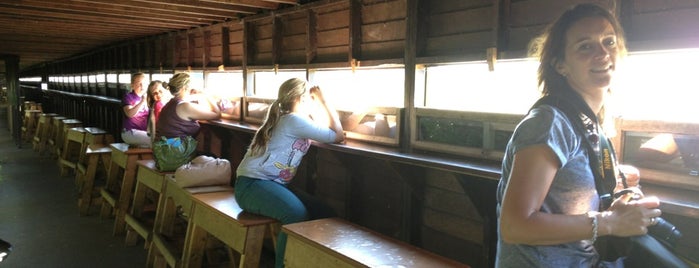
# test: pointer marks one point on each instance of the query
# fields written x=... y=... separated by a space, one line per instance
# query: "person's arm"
x=522 y=222
x=199 y=111
x=334 y=123
x=132 y=110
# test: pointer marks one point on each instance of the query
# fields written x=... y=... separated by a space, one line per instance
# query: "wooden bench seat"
x=148 y=179
x=219 y=215
x=164 y=249
x=334 y=242
x=118 y=190
x=96 y=154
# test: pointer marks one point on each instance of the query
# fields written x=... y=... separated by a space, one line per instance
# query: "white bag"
x=204 y=171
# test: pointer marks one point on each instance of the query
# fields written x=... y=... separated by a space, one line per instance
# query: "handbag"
x=204 y=171
x=172 y=153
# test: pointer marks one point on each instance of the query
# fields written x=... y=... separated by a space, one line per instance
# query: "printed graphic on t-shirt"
x=288 y=169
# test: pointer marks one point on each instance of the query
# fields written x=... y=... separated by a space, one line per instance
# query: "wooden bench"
x=148 y=179
x=164 y=249
x=54 y=126
x=117 y=191
x=29 y=124
x=85 y=176
x=61 y=132
x=334 y=242
x=70 y=154
x=41 y=136
x=218 y=214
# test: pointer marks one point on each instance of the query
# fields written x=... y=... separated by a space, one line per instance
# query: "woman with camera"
x=551 y=208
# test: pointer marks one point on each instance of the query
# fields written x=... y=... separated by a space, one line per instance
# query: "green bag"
x=173 y=152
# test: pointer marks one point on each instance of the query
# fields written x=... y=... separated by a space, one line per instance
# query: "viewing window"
x=362 y=89
x=125 y=78
x=510 y=89
x=163 y=77
x=265 y=84
x=659 y=85
x=227 y=85
x=196 y=80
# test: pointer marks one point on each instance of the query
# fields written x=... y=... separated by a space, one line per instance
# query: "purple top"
x=140 y=119
x=170 y=125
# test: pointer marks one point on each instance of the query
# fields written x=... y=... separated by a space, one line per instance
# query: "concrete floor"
x=39 y=216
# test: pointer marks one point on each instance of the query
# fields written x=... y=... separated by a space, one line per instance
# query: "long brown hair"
x=550 y=46
x=289 y=92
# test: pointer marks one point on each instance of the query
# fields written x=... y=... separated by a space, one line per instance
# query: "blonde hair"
x=136 y=76
x=178 y=82
x=289 y=92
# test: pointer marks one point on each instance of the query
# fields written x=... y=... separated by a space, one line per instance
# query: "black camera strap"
x=598 y=147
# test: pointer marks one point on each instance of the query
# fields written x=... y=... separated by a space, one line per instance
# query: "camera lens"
x=665 y=232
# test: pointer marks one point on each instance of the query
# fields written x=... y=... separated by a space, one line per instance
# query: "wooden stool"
x=29 y=124
x=148 y=178
x=41 y=135
x=334 y=242
x=117 y=192
x=53 y=126
x=70 y=153
x=219 y=215
x=85 y=177
x=93 y=135
x=63 y=127
x=175 y=199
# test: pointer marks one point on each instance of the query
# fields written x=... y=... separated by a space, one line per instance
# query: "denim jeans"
x=275 y=200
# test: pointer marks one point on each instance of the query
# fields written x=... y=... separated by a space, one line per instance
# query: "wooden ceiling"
x=45 y=30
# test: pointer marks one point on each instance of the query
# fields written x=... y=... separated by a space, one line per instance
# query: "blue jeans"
x=275 y=200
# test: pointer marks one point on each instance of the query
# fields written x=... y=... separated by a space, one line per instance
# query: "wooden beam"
x=312 y=36
x=246 y=3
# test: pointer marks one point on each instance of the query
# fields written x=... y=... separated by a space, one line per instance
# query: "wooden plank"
x=384 y=31
x=383 y=11
x=465 y=21
x=333 y=20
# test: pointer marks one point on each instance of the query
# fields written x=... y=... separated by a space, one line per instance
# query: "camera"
x=665 y=232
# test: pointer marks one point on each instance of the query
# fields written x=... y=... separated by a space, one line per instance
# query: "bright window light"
x=30 y=79
x=227 y=85
x=125 y=78
x=363 y=88
x=161 y=77
x=661 y=85
x=196 y=80
x=112 y=78
x=100 y=78
x=92 y=78
x=266 y=83
x=510 y=89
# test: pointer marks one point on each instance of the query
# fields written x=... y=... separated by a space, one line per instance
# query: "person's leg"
x=273 y=200
x=135 y=137
x=317 y=209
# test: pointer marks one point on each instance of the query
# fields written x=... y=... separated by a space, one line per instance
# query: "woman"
x=157 y=98
x=275 y=153
x=179 y=116
x=135 y=108
x=548 y=204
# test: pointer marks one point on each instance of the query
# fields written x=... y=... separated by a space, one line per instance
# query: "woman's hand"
x=628 y=216
x=316 y=94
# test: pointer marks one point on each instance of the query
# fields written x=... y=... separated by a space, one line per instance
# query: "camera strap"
x=598 y=147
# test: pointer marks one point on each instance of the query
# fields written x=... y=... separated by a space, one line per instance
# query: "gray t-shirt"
x=288 y=144
x=572 y=191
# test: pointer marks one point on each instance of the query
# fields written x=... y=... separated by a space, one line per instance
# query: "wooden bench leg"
x=88 y=182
